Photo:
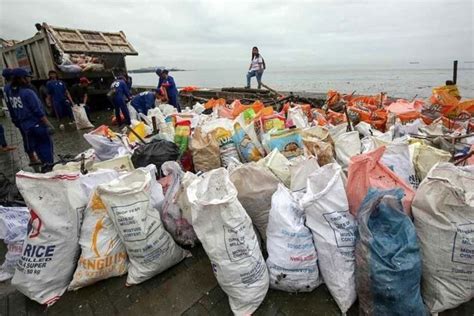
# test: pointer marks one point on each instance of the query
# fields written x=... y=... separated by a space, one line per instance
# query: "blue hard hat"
x=158 y=71
x=20 y=72
x=7 y=73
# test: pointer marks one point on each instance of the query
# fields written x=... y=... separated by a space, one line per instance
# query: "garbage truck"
x=73 y=53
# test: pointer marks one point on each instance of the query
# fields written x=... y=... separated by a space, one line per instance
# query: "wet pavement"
x=188 y=288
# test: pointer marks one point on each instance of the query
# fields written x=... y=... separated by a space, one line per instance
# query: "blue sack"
x=388 y=262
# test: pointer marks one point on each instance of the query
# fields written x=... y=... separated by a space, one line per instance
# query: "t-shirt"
x=57 y=90
x=257 y=62
x=77 y=93
x=25 y=107
x=144 y=101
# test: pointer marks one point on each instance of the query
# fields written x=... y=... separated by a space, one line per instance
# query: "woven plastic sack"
x=346 y=146
x=425 y=157
x=150 y=248
x=255 y=186
x=13 y=226
x=106 y=147
x=443 y=212
x=80 y=117
x=316 y=147
x=300 y=169
x=246 y=140
x=227 y=235
x=333 y=227
x=388 y=262
x=278 y=165
x=205 y=151
x=292 y=259
x=56 y=202
x=367 y=171
x=171 y=215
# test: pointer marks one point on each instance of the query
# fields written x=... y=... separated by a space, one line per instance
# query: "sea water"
x=404 y=83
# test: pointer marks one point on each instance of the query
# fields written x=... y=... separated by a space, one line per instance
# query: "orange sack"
x=367 y=171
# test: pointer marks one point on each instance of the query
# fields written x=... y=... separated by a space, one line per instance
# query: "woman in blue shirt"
x=27 y=111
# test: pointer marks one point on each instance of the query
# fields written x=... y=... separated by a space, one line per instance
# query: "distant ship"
x=414 y=62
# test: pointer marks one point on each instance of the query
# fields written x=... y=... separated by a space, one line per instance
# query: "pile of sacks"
x=372 y=211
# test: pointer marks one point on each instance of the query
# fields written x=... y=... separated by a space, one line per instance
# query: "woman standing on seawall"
x=256 y=68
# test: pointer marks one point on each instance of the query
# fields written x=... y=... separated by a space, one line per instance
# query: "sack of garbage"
x=292 y=259
x=13 y=225
x=255 y=186
x=150 y=248
x=288 y=142
x=182 y=198
x=425 y=157
x=346 y=146
x=106 y=144
x=300 y=169
x=227 y=147
x=156 y=152
x=298 y=117
x=333 y=227
x=80 y=117
x=103 y=254
x=367 y=171
x=227 y=235
x=396 y=157
x=246 y=141
x=388 y=262
x=56 y=202
x=278 y=165
x=443 y=212
x=322 y=150
x=171 y=215
x=205 y=151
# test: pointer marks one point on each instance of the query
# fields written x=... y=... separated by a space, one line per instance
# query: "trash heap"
x=372 y=196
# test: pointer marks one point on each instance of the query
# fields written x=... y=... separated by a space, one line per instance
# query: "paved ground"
x=188 y=288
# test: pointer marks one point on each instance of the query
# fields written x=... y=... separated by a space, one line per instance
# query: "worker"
x=119 y=97
x=168 y=83
x=452 y=89
x=7 y=75
x=146 y=100
x=256 y=68
x=28 y=112
x=128 y=81
x=58 y=96
x=80 y=94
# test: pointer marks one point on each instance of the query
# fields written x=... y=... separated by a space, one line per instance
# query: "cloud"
x=217 y=34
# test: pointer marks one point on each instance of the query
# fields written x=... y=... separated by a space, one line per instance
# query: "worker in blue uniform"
x=58 y=96
x=28 y=112
x=145 y=101
x=168 y=83
x=7 y=75
x=120 y=96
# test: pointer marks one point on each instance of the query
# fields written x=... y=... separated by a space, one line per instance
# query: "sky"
x=213 y=34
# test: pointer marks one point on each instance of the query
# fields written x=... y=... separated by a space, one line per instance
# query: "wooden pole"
x=455 y=71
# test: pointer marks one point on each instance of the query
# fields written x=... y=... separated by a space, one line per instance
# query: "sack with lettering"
x=150 y=248
x=227 y=235
x=56 y=202
x=13 y=224
x=333 y=227
x=292 y=260
x=443 y=212
x=103 y=254
x=388 y=259
x=255 y=186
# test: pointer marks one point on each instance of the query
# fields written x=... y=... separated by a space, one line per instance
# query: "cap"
x=84 y=80
x=20 y=72
x=7 y=73
x=158 y=71
x=52 y=71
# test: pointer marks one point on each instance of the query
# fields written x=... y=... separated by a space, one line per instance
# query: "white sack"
x=279 y=165
x=333 y=227
x=226 y=233
x=255 y=186
x=300 y=169
x=346 y=145
x=150 y=247
x=56 y=202
x=80 y=117
x=292 y=260
x=106 y=148
x=13 y=225
x=443 y=212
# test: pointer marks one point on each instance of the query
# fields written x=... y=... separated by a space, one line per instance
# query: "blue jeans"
x=255 y=73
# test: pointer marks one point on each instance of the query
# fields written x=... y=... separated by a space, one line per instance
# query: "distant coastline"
x=152 y=70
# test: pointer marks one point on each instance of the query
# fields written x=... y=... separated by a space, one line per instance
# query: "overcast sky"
x=219 y=33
